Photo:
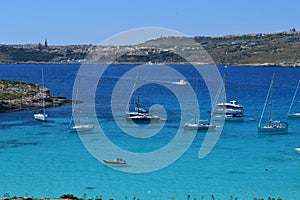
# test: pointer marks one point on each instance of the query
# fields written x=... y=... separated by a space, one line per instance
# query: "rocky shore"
x=71 y=197
x=17 y=96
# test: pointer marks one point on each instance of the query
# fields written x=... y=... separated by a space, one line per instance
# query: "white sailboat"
x=294 y=114
x=200 y=125
x=41 y=114
x=273 y=126
x=140 y=115
x=79 y=126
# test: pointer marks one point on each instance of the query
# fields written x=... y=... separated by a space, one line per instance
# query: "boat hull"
x=199 y=127
x=297 y=150
x=115 y=162
x=294 y=115
x=82 y=128
x=143 y=119
x=227 y=118
x=272 y=130
x=40 y=117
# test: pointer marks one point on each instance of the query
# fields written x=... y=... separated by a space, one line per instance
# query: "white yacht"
x=273 y=126
x=41 y=114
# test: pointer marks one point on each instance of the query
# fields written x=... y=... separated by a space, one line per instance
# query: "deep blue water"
x=45 y=160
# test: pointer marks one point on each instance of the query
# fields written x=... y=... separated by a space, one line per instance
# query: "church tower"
x=46 y=44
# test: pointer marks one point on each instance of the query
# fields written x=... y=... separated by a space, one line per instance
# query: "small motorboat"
x=118 y=161
x=297 y=150
x=181 y=82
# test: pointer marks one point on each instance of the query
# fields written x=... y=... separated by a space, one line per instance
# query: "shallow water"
x=45 y=160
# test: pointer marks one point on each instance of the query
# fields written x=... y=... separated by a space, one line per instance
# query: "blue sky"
x=65 y=22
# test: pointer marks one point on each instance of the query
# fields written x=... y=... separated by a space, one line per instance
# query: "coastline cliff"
x=17 y=96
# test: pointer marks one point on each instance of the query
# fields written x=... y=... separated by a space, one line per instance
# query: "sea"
x=43 y=159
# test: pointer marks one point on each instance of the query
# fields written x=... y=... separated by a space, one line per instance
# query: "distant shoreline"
x=262 y=49
x=135 y=63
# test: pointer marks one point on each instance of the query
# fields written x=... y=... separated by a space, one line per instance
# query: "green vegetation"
x=277 y=49
x=11 y=54
x=281 y=49
x=15 y=89
x=33 y=54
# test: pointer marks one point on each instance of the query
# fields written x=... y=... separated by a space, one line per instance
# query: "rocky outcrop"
x=17 y=96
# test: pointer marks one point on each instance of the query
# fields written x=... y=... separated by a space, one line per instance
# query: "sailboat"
x=273 y=126
x=200 y=125
x=79 y=125
x=41 y=114
x=296 y=114
x=140 y=115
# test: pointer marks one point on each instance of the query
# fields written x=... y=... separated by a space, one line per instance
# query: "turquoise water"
x=45 y=160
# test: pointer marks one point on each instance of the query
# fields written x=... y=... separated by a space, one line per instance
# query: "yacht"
x=140 y=115
x=232 y=104
x=81 y=128
x=41 y=114
x=202 y=125
x=273 y=126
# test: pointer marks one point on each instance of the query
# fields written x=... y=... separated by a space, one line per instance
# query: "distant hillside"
x=254 y=49
x=282 y=49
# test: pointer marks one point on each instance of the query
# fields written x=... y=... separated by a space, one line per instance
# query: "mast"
x=196 y=117
x=294 y=97
x=138 y=90
x=73 y=109
x=43 y=88
x=271 y=99
x=269 y=91
x=224 y=82
x=132 y=91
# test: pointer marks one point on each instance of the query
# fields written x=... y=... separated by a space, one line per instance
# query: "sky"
x=64 y=22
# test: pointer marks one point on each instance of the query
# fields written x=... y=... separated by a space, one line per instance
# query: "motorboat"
x=117 y=161
x=297 y=149
x=232 y=104
x=182 y=82
x=228 y=115
x=228 y=111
